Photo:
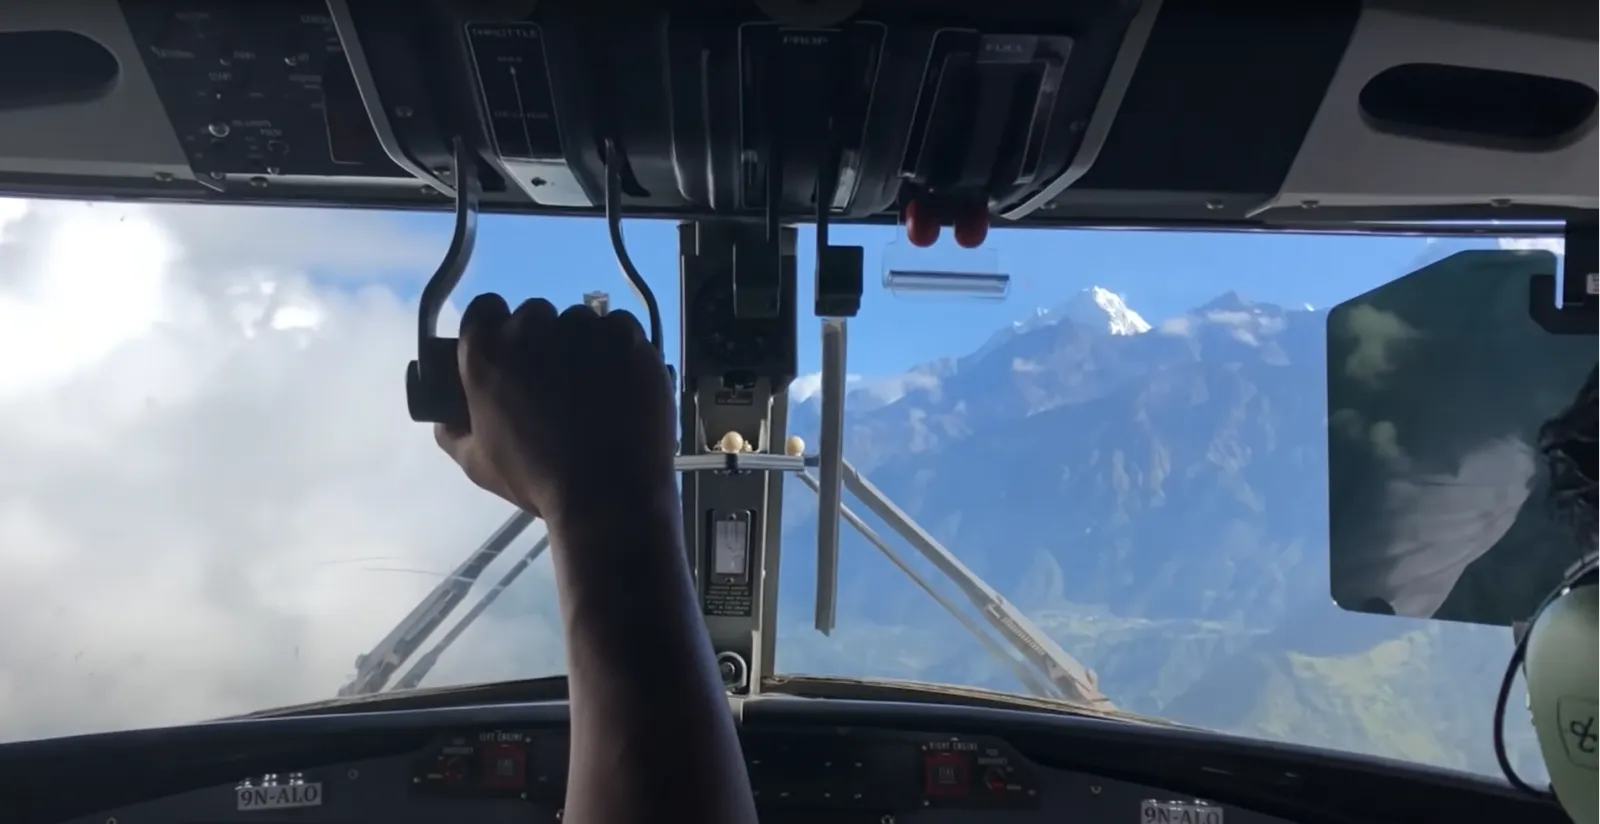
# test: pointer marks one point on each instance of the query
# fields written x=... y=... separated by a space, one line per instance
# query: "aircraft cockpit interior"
x=757 y=142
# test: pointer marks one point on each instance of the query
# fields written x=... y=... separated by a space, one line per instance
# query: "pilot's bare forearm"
x=652 y=737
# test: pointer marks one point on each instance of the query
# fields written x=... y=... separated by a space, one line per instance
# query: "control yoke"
x=434 y=392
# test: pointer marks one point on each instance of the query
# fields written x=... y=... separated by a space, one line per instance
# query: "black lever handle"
x=434 y=393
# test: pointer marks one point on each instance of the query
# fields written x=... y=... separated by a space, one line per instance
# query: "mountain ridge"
x=1156 y=502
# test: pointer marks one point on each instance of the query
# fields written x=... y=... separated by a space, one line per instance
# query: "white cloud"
x=1379 y=337
x=807 y=386
x=888 y=389
x=1554 y=245
x=211 y=497
x=1179 y=325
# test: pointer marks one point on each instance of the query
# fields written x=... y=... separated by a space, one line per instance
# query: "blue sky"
x=1159 y=273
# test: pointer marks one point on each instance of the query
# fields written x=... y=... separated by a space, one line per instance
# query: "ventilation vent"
x=1470 y=106
x=39 y=69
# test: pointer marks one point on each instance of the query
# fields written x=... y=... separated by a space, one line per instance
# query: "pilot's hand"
x=571 y=413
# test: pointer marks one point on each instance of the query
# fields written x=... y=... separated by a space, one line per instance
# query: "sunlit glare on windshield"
x=214 y=500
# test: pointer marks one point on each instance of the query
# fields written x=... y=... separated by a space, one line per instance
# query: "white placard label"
x=279 y=797
x=1178 y=812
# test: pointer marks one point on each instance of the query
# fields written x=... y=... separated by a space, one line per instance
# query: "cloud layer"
x=211 y=498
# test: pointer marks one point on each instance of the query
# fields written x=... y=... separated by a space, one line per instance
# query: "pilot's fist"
x=567 y=410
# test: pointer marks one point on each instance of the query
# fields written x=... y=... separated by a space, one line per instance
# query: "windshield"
x=214 y=500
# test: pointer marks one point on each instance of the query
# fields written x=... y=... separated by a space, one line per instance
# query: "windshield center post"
x=738 y=358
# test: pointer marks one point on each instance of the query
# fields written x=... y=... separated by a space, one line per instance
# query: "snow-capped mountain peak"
x=1095 y=308
x=1099 y=308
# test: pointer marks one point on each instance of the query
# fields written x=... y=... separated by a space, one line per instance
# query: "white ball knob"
x=794 y=447
x=732 y=442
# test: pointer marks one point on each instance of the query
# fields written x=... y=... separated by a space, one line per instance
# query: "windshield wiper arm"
x=1033 y=682
x=1045 y=669
x=425 y=664
x=374 y=669
x=1062 y=675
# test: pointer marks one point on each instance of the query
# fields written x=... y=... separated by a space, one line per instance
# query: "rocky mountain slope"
x=1154 y=497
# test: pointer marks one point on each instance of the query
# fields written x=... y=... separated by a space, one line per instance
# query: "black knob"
x=434 y=393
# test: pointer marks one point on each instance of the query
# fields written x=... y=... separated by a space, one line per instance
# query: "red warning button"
x=946 y=774
x=504 y=766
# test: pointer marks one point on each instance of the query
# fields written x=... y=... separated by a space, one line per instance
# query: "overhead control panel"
x=894 y=110
x=343 y=101
x=1104 y=111
x=805 y=97
x=260 y=95
x=984 y=112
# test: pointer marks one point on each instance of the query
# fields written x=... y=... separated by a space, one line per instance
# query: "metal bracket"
x=740 y=462
x=1579 y=312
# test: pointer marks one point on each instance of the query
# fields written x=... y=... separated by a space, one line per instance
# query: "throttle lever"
x=434 y=392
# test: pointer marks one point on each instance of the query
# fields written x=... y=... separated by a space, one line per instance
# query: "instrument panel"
x=833 y=760
x=798 y=774
x=802 y=770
